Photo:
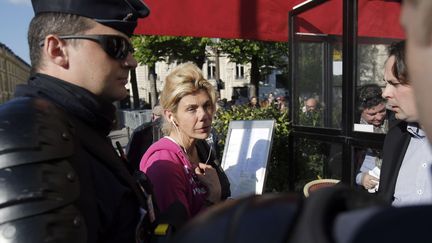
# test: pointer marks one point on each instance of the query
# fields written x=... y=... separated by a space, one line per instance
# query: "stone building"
x=234 y=76
x=13 y=71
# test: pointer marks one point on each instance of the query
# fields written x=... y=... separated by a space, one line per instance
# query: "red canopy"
x=264 y=19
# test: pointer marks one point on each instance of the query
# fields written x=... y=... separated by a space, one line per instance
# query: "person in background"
x=65 y=181
x=271 y=99
x=281 y=103
x=407 y=155
x=253 y=102
x=311 y=105
x=143 y=136
x=222 y=104
x=310 y=113
x=181 y=165
x=233 y=102
x=264 y=103
x=372 y=109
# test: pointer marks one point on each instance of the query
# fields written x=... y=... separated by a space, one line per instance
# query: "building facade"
x=235 y=78
x=13 y=71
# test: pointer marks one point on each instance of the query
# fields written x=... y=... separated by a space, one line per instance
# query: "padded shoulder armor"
x=38 y=183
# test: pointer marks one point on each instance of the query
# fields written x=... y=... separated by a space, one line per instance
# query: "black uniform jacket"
x=109 y=198
x=395 y=145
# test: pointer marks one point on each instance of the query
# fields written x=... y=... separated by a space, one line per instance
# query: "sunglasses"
x=115 y=46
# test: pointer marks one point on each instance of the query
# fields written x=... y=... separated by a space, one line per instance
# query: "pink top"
x=173 y=177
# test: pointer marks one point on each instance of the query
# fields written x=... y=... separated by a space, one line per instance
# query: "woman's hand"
x=208 y=175
x=369 y=181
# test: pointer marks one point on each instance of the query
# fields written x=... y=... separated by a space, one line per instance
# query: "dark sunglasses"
x=115 y=46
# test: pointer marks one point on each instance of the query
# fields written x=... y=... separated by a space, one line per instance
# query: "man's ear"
x=55 y=50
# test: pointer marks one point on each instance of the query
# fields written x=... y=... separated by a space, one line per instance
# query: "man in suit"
x=407 y=156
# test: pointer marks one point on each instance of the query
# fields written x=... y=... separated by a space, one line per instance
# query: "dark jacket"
x=142 y=138
x=203 y=152
x=107 y=205
x=395 y=145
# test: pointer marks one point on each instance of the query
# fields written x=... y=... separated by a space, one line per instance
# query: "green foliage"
x=310 y=118
x=150 y=49
x=270 y=55
x=277 y=177
x=309 y=166
x=263 y=56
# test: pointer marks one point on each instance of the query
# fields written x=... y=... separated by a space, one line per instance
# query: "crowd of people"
x=64 y=182
x=280 y=102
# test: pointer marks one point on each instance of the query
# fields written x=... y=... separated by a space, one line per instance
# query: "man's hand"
x=369 y=181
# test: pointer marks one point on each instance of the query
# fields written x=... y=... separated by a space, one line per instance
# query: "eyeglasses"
x=115 y=46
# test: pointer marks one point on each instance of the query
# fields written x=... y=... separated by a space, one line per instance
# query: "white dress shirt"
x=414 y=181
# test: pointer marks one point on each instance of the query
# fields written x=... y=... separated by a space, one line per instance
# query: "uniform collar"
x=91 y=109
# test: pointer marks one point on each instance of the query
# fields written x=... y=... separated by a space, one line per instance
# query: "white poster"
x=246 y=154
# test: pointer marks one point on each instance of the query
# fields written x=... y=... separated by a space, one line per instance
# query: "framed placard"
x=246 y=153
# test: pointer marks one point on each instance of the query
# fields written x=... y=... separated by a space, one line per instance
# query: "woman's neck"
x=188 y=144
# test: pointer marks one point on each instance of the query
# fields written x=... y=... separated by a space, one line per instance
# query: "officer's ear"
x=55 y=51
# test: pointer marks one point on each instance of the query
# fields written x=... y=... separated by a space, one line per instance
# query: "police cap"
x=121 y=15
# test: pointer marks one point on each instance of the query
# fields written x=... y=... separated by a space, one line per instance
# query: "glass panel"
x=335 y=110
x=319 y=84
x=317 y=66
x=310 y=81
x=316 y=159
x=371 y=114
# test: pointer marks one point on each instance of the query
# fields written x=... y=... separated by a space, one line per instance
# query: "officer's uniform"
x=61 y=179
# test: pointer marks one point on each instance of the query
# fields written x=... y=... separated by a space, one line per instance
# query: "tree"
x=187 y=49
x=148 y=51
x=151 y=49
x=263 y=57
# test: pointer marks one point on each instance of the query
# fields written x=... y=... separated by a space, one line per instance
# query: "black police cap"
x=121 y=15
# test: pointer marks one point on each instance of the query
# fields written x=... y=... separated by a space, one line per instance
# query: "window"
x=211 y=70
x=239 y=71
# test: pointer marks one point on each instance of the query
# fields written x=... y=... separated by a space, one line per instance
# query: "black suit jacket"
x=395 y=145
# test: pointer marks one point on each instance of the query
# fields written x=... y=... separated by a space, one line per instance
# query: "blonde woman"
x=181 y=165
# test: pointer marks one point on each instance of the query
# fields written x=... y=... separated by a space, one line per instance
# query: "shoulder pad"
x=32 y=130
x=38 y=182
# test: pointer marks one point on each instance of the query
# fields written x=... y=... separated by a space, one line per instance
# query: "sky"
x=15 y=16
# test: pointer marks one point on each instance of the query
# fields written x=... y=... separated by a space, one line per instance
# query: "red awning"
x=264 y=19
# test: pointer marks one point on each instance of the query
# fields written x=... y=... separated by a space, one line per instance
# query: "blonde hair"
x=184 y=80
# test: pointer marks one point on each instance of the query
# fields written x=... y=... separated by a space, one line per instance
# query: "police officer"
x=61 y=179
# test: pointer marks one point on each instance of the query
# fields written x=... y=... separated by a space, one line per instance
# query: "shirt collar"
x=415 y=130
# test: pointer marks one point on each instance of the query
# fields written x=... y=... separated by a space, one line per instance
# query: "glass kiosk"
x=336 y=48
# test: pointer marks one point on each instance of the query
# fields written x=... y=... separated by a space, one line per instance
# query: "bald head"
x=311 y=104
